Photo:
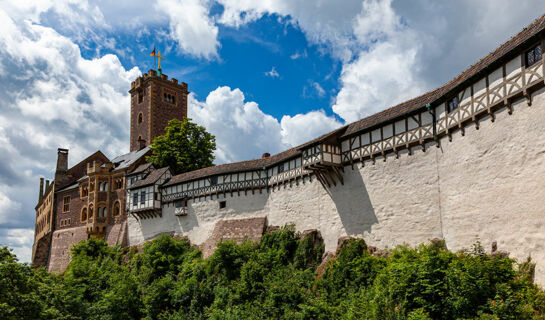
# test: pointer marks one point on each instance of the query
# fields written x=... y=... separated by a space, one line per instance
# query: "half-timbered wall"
x=145 y=198
x=495 y=90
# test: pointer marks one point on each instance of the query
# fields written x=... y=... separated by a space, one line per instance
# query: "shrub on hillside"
x=273 y=279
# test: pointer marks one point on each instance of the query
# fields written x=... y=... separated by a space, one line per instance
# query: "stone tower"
x=154 y=101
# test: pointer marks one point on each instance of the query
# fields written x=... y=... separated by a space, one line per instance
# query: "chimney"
x=41 y=189
x=62 y=160
x=265 y=155
x=62 y=166
x=141 y=144
x=46 y=185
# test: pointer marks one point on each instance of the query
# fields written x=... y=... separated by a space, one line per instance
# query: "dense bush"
x=274 y=279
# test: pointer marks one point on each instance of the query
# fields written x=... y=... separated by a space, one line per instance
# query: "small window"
x=140 y=96
x=105 y=186
x=105 y=212
x=84 y=215
x=117 y=209
x=135 y=199
x=178 y=204
x=66 y=204
x=281 y=168
x=452 y=104
x=223 y=204
x=533 y=55
x=99 y=212
x=214 y=181
x=142 y=197
x=100 y=187
x=140 y=118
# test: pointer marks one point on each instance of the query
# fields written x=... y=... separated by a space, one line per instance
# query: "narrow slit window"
x=66 y=204
x=135 y=199
x=142 y=197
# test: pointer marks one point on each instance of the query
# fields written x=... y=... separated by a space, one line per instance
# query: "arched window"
x=117 y=209
x=100 y=187
x=105 y=186
x=90 y=211
x=105 y=212
x=140 y=118
x=100 y=212
x=84 y=214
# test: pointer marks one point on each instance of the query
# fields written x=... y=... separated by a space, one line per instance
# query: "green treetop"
x=184 y=147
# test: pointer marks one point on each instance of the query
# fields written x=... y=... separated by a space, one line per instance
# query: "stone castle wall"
x=487 y=185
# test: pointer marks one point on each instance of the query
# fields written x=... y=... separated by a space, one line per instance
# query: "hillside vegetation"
x=274 y=279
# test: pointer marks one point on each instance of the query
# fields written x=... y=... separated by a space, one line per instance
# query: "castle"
x=463 y=162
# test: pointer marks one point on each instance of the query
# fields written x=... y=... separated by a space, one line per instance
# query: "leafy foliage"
x=184 y=147
x=273 y=279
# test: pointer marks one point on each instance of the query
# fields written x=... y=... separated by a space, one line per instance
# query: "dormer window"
x=452 y=104
x=533 y=55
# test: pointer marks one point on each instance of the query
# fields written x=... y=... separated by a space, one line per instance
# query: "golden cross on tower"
x=153 y=54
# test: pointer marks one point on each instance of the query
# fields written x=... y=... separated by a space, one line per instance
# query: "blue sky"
x=264 y=75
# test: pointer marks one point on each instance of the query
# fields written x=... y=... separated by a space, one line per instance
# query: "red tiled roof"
x=234 y=167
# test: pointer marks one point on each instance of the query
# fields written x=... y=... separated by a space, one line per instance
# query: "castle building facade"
x=89 y=199
x=463 y=162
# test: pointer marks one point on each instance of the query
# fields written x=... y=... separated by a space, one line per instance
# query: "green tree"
x=184 y=147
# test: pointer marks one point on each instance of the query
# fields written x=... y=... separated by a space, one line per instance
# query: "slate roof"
x=491 y=61
x=124 y=161
x=69 y=187
x=141 y=168
x=151 y=178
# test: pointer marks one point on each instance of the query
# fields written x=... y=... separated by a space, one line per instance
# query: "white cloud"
x=272 y=73
x=7 y=207
x=245 y=132
x=304 y=127
x=382 y=75
x=53 y=98
x=319 y=90
x=20 y=240
x=191 y=26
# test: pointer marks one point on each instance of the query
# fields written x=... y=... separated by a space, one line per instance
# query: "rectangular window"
x=452 y=104
x=178 y=204
x=142 y=197
x=223 y=204
x=281 y=168
x=135 y=199
x=533 y=55
x=140 y=96
x=214 y=181
x=66 y=204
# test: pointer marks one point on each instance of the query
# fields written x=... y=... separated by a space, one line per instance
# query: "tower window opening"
x=140 y=118
x=140 y=96
x=223 y=204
